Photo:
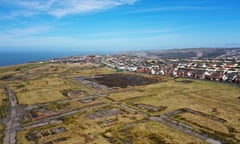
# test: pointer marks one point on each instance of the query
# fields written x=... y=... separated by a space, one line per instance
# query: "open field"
x=1 y=132
x=86 y=127
x=41 y=90
x=76 y=129
x=197 y=95
x=45 y=83
x=3 y=102
x=72 y=103
x=203 y=122
x=18 y=69
x=2 y=96
x=220 y=100
x=212 y=127
x=151 y=133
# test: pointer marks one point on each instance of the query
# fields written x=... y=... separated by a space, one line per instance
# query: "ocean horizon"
x=15 y=58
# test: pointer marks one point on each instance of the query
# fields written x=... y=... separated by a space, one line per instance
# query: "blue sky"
x=118 y=25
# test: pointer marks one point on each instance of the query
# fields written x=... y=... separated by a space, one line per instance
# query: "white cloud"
x=60 y=8
x=56 y=42
x=37 y=5
x=23 y=32
x=175 y=8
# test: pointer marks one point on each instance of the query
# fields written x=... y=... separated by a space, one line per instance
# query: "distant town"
x=224 y=67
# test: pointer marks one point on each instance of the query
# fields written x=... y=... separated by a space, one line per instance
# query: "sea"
x=14 y=58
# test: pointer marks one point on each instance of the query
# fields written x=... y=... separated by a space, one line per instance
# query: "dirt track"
x=12 y=120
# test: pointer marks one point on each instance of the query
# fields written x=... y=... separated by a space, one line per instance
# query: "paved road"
x=12 y=119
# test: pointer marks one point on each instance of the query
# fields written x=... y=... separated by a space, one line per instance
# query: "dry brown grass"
x=41 y=91
x=200 y=95
x=3 y=102
x=154 y=132
x=1 y=132
x=44 y=84
x=2 y=95
x=79 y=130
x=204 y=122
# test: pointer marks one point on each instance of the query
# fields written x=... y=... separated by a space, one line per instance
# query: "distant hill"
x=192 y=53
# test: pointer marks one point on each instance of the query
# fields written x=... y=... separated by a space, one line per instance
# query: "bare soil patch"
x=122 y=80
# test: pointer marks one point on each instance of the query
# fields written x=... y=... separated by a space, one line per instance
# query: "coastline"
x=18 y=58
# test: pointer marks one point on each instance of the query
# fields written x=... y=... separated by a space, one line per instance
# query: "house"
x=140 y=69
x=132 y=69
x=217 y=75
x=198 y=74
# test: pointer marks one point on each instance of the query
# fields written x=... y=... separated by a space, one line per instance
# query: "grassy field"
x=9 y=70
x=87 y=70
x=203 y=122
x=199 y=95
x=1 y=132
x=45 y=83
x=3 y=102
x=36 y=84
x=41 y=90
x=216 y=99
x=2 y=96
x=79 y=130
x=152 y=133
x=3 y=105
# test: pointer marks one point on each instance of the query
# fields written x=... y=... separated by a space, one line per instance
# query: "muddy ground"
x=122 y=80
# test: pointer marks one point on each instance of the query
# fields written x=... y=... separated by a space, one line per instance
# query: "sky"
x=117 y=25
